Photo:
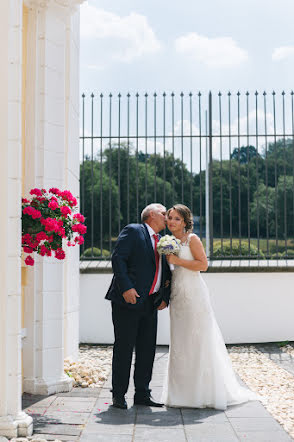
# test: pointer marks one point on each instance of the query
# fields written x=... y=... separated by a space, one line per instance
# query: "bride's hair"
x=185 y=213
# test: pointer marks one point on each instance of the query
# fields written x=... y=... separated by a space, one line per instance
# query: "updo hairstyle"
x=185 y=213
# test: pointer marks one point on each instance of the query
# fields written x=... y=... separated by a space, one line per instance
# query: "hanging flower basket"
x=49 y=219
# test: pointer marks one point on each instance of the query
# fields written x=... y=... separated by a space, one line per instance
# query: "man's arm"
x=123 y=248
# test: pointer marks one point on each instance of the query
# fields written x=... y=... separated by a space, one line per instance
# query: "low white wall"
x=249 y=307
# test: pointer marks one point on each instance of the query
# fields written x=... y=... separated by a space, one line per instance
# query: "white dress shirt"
x=151 y=233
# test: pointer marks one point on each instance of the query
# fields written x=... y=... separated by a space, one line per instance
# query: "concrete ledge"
x=221 y=266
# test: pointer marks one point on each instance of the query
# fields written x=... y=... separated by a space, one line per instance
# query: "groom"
x=140 y=277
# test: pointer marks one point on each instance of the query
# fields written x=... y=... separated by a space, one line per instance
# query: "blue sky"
x=188 y=45
x=157 y=45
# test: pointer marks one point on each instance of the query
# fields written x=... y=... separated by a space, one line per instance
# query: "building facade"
x=39 y=133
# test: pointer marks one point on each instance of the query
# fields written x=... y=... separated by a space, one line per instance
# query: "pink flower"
x=26 y=239
x=79 y=217
x=65 y=210
x=80 y=240
x=53 y=204
x=43 y=250
x=51 y=225
x=67 y=196
x=80 y=228
x=34 y=213
x=29 y=261
x=28 y=249
x=36 y=191
x=61 y=232
x=59 y=254
x=24 y=201
x=41 y=235
x=54 y=190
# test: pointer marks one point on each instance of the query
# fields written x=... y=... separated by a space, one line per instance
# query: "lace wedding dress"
x=200 y=372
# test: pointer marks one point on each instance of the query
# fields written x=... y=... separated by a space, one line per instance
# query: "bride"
x=199 y=373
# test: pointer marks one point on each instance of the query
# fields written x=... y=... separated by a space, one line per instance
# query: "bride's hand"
x=172 y=259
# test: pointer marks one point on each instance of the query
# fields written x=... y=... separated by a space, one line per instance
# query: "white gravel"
x=92 y=367
x=268 y=379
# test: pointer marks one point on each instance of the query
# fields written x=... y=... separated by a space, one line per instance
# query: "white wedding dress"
x=200 y=372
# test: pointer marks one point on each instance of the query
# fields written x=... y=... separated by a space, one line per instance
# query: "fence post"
x=210 y=197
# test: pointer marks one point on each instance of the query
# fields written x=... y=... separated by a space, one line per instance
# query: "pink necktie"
x=156 y=262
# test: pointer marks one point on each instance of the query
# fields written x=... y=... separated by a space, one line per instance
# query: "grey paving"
x=86 y=415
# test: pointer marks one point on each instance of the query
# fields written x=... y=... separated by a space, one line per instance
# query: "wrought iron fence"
x=229 y=157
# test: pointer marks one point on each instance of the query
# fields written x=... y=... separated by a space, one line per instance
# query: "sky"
x=130 y=46
x=168 y=45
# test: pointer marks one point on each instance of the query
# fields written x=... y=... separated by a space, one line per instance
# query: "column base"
x=21 y=426
x=47 y=387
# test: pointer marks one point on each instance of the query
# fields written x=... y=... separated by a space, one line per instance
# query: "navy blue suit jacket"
x=133 y=264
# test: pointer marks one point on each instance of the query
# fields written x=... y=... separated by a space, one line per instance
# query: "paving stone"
x=109 y=428
x=163 y=418
x=67 y=430
x=211 y=432
x=73 y=404
x=106 y=438
x=249 y=409
x=37 y=400
x=264 y=436
x=159 y=435
x=63 y=417
x=196 y=416
x=62 y=437
x=81 y=392
x=245 y=424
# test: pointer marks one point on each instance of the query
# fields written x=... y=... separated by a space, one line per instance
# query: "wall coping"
x=221 y=266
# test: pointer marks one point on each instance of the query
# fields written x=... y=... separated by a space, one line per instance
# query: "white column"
x=13 y=422
x=72 y=169
x=48 y=119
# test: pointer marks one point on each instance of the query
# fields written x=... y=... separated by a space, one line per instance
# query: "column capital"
x=68 y=6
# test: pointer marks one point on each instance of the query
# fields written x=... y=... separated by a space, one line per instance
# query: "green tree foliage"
x=251 y=191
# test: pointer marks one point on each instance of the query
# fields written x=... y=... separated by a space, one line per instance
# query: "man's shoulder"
x=134 y=226
x=132 y=229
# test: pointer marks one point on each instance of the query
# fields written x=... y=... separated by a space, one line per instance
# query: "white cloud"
x=125 y=37
x=282 y=53
x=220 y=52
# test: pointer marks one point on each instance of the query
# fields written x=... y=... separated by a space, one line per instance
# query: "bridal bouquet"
x=168 y=245
x=48 y=218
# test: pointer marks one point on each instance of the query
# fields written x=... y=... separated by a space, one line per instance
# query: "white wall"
x=249 y=307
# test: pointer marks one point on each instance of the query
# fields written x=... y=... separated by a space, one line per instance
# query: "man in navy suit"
x=140 y=277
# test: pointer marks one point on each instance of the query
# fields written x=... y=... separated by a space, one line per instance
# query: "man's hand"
x=130 y=296
x=162 y=305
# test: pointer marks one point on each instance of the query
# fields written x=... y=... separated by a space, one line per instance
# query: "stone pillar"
x=48 y=153
x=13 y=422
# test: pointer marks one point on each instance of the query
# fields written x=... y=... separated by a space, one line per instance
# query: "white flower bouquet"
x=168 y=245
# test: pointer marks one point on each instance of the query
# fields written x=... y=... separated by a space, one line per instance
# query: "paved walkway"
x=86 y=415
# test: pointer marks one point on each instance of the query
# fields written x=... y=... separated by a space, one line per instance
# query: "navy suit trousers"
x=133 y=329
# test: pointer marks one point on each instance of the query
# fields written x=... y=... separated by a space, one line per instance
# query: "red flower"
x=26 y=239
x=65 y=210
x=41 y=235
x=54 y=190
x=79 y=217
x=24 y=201
x=28 y=249
x=34 y=213
x=53 y=204
x=43 y=250
x=80 y=240
x=59 y=254
x=80 y=228
x=29 y=261
x=36 y=191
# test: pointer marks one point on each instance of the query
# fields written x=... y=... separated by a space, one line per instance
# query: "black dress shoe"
x=147 y=401
x=119 y=402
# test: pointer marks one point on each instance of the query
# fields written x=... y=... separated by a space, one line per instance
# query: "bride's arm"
x=200 y=260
